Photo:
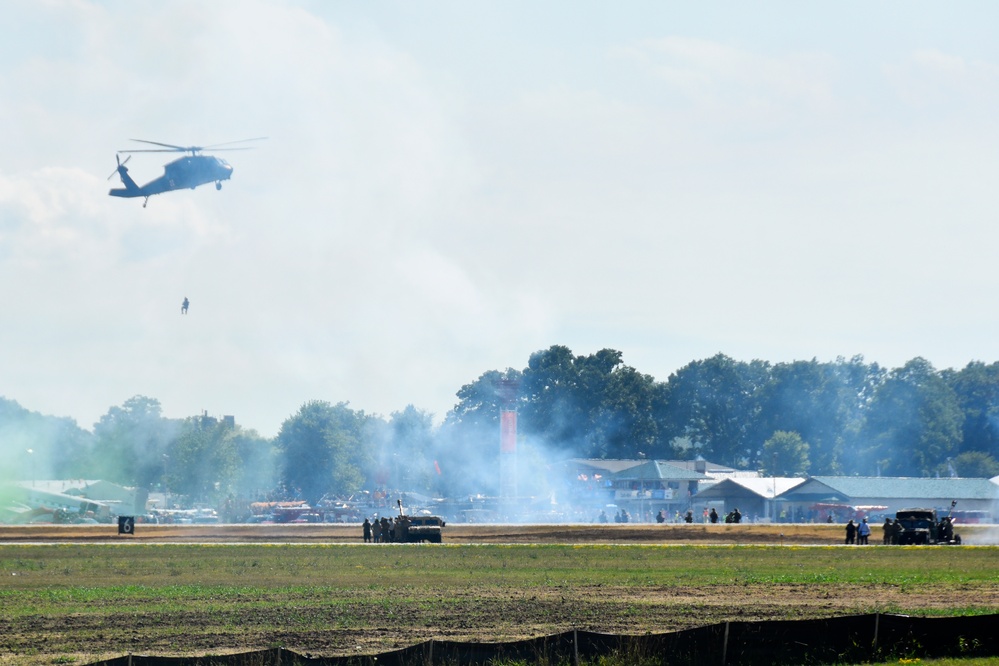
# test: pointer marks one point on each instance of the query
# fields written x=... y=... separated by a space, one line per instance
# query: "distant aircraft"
x=186 y=172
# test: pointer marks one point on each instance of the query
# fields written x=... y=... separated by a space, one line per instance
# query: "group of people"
x=383 y=530
x=733 y=516
x=687 y=517
x=621 y=516
x=891 y=531
x=858 y=533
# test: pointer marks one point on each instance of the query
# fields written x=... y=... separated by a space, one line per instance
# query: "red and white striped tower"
x=507 y=391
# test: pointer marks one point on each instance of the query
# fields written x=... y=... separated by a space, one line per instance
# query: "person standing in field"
x=863 y=532
x=366 y=527
x=386 y=530
x=886 y=530
x=851 y=532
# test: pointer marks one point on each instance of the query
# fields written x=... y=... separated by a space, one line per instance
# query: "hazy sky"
x=451 y=186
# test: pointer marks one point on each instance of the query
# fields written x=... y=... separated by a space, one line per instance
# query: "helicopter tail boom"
x=131 y=189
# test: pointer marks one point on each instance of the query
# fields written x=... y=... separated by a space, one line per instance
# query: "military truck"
x=920 y=526
x=416 y=529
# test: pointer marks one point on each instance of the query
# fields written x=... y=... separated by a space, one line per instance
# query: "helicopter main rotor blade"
x=173 y=148
x=152 y=150
x=189 y=150
x=229 y=143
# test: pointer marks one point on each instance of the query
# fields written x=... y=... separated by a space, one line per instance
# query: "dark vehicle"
x=920 y=526
x=417 y=529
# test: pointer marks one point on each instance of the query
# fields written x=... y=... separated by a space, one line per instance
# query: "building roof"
x=22 y=492
x=764 y=488
x=657 y=470
x=844 y=488
x=710 y=468
x=608 y=466
x=64 y=486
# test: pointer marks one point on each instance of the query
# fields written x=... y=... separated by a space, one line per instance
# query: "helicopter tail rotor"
x=121 y=164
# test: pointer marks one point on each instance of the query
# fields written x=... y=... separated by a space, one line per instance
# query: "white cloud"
x=950 y=84
x=736 y=82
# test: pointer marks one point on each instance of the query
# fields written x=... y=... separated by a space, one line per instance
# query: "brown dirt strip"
x=720 y=534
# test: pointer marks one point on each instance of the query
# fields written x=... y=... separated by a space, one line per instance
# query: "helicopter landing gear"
x=218 y=184
x=145 y=201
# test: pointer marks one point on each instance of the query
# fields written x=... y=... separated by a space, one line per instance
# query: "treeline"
x=803 y=417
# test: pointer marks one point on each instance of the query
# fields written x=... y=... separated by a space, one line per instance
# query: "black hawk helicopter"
x=185 y=172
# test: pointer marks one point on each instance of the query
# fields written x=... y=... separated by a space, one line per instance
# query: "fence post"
x=725 y=646
x=575 y=647
x=877 y=626
x=430 y=659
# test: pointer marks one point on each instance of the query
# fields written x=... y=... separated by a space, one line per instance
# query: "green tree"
x=913 y=423
x=972 y=465
x=321 y=450
x=977 y=389
x=412 y=445
x=558 y=400
x=479 y=402
x=37 y=446
x=622 y=415
x=257 y=467
x=594 y=405
x=823 y=402
x=403 y=451
x=785 y=454
x=202 y=462
x=130 y=442
x=715 y=405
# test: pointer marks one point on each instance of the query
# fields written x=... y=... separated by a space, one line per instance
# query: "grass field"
x=72 y=603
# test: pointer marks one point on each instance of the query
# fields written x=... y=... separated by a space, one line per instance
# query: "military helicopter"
x=188 y=171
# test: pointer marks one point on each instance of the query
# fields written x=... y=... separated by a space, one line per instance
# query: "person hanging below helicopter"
x=183 y=306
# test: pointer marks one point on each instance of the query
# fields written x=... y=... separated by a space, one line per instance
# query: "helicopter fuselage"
x=185 y=172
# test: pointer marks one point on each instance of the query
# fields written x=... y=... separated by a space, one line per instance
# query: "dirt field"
x=787 y=534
